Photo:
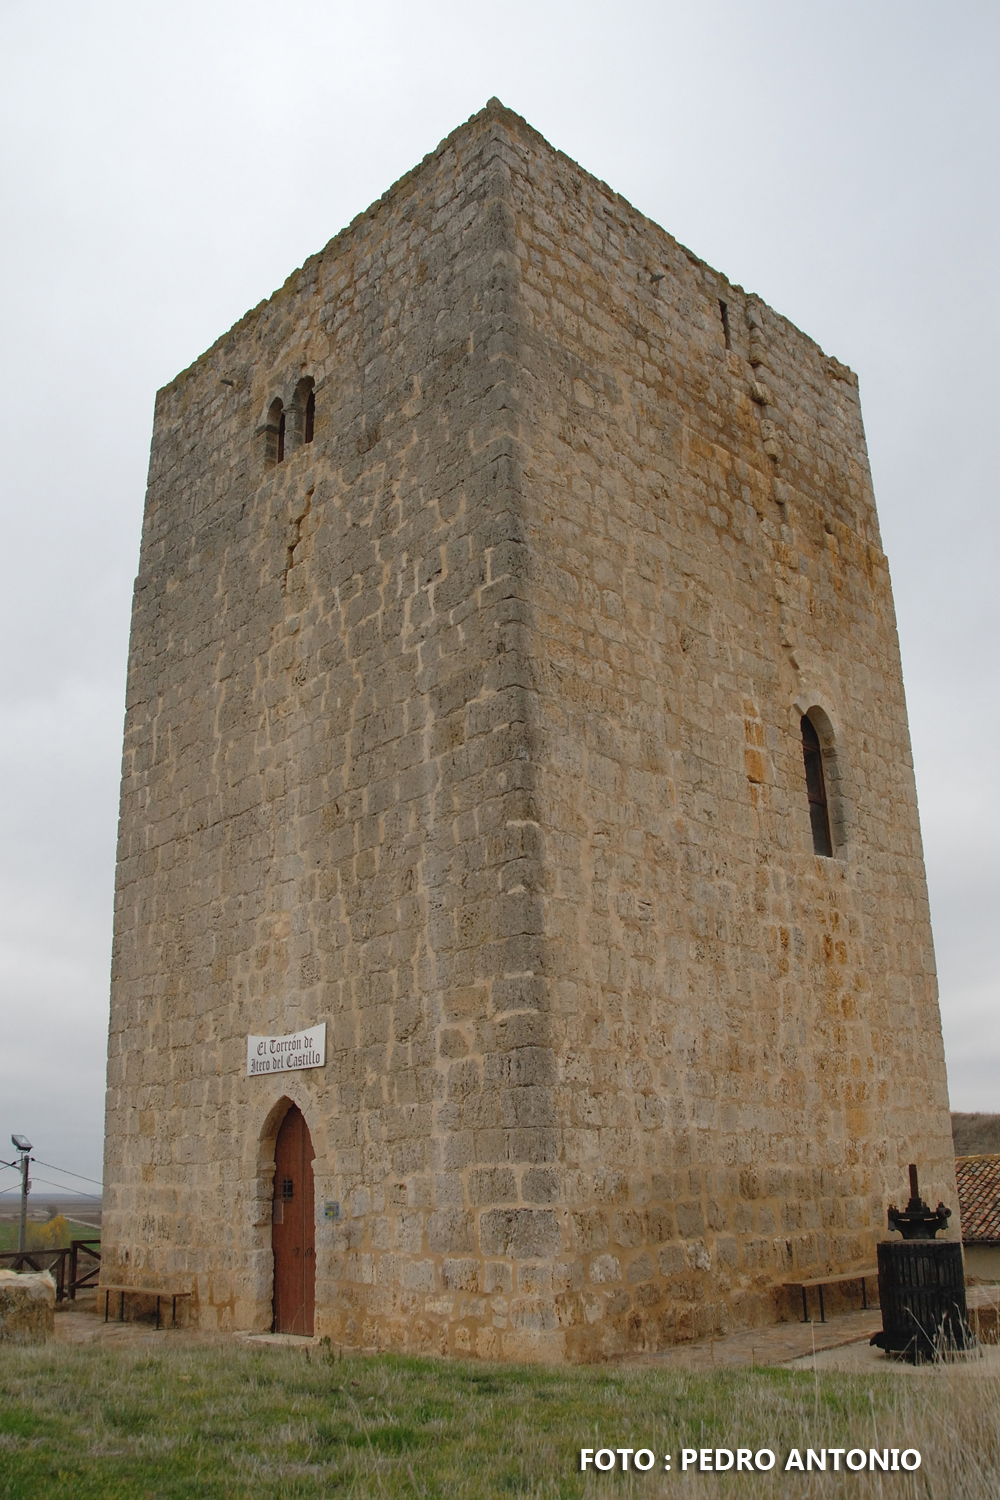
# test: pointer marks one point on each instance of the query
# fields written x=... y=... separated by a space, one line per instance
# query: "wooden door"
x=293 y=1227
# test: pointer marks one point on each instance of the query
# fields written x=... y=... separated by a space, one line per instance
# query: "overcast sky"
x=166 y=165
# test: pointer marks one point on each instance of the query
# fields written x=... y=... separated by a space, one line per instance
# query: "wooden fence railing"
x=64 y=1264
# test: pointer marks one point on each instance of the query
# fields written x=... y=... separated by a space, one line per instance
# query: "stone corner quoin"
x=488 y=570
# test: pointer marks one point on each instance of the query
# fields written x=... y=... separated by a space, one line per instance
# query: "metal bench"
x=140 y=1291
x=822 y=1281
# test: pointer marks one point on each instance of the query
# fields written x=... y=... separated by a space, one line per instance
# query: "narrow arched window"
x=301 y=414
x=819 y=812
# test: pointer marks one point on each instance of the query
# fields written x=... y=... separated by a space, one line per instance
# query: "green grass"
x=38 y=1238
x=224 y=1421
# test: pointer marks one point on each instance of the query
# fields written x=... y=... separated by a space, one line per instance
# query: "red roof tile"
x=978 y=1179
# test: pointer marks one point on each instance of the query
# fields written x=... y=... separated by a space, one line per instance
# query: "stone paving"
x=862 y=1359
x=778 y=1344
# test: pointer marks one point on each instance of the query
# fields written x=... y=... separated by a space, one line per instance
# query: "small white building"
x=978 y=1179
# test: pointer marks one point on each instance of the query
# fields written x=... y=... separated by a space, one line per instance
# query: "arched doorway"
x=293 y=1227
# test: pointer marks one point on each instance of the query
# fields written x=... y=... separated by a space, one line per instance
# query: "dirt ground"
x=841 y=1343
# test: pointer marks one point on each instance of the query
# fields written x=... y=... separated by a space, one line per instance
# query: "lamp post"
x=23 y=1146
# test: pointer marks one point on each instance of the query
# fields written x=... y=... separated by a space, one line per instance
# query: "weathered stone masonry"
x=472 y=728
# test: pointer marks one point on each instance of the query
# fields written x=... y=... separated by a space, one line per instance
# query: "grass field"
x=231 y=1422
x=53 y=1235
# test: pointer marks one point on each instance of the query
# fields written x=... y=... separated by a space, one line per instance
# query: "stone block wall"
x=746 y=1035
x=472 y=729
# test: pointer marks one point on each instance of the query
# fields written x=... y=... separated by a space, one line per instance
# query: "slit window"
x=724 y=314
x=819 y=812
x=310 y=418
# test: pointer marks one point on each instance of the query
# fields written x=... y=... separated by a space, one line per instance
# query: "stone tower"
x=489 y=571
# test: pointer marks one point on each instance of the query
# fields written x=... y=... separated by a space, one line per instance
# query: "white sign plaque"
x=285 y=1054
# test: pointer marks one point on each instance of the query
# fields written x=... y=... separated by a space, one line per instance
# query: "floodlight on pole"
x=24 y=1146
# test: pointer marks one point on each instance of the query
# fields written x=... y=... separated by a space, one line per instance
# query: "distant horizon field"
x=42 y=1207
x=52 y=1234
